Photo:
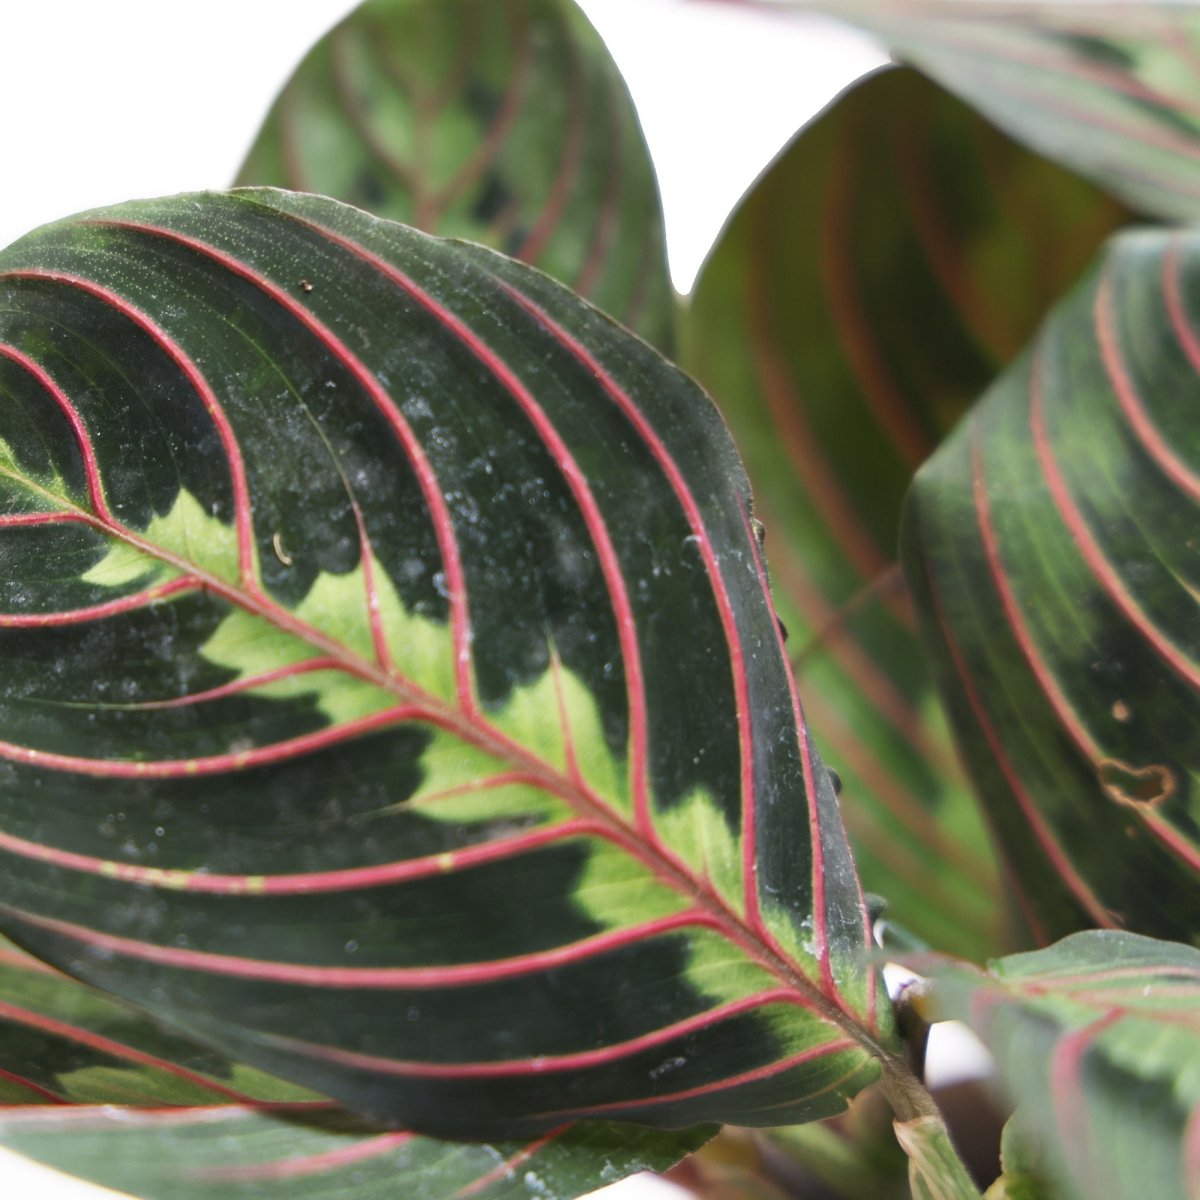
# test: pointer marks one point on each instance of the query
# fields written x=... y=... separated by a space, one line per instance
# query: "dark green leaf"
x=97 y=1090
x=64 y=1044
x=1111 y=90
x=502 y=121
x=392 y=696
x=881 y=273
x=236 y=1153
x=1098 y=1038
x=1052 y=542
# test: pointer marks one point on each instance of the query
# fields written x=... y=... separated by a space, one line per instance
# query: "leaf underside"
x=393 y=698
x=1098 y=1038
x=505 y=122
x=1052 y=544
x=881 y=273
x=1111 y=90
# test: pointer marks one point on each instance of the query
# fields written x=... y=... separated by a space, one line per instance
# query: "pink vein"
x=487 y=152
x=106 y=1116
x=815 y=829
x=836 y=240
x=798 y=442
x=1150 y=975
x=770 y=1071
x=1173 y=294
x=564 y=720
x=373 y=978
x=534 y=245
x=426 y=478
x=95 y=612
x=1101 y=568
x=243 y=521
x=246 y=684
x=548 y=1064
x=1083 y=894
x=1068 y=1097
x=95 y=1041
x=308 y=883
x=29 y=1086
x=303 y=1166
x=606 y=222
x=178 y=768
x=506 y=1169
x=83 y=439
x=1131 y=403
x=20 y=520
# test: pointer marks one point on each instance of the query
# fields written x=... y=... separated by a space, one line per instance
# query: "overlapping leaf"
x=1098 y=1037
x=392 y=695
x=880 y=274
x=97 y=1090
x=502 y=121
x=1111 y=90
x=1052 y=542
x=228 y=1154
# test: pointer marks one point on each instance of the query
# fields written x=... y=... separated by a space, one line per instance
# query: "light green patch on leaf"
x=557 y=719
x=721 y=971
x=699 y=833
x=186 y=532
x=616 y=890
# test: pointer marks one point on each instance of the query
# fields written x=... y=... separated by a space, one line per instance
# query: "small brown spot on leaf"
x=306 y=285
x=1135 y=787
x=1121 y=711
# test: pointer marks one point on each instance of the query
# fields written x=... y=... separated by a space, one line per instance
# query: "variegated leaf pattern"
x=1052 y=542
x=64 y=1045
x=502 y=121
x=877 y=277
x=393 y=697
x=243 y=1154
x=100 y=1091
x=1098 y=1038
x=1110 y=90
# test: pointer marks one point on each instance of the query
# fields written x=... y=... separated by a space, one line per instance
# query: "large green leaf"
x=1098 y=1037
x=502 y=121
x=1052 y=543
x=880 y=274
x=99 y=1091
x=240 y=1154
x=392 y=694
x=1109 y=89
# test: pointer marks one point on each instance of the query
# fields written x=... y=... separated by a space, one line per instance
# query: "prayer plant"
x=405 y=789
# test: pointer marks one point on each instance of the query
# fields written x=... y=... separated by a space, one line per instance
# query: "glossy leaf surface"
x=1110 y=90
x=1098 y=1037
x=502 y=121
x=887 y=266
x=394 y=699
x=1052 y=543
x=99 y=1091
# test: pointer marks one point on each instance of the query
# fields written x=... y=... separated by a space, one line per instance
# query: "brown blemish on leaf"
x=1135 y=787
x=1121 y=711
x=306 y=285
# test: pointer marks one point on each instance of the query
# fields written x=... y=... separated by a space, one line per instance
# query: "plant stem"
x=935 y=1167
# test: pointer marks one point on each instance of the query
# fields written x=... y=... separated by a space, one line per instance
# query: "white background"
x=109 y=100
